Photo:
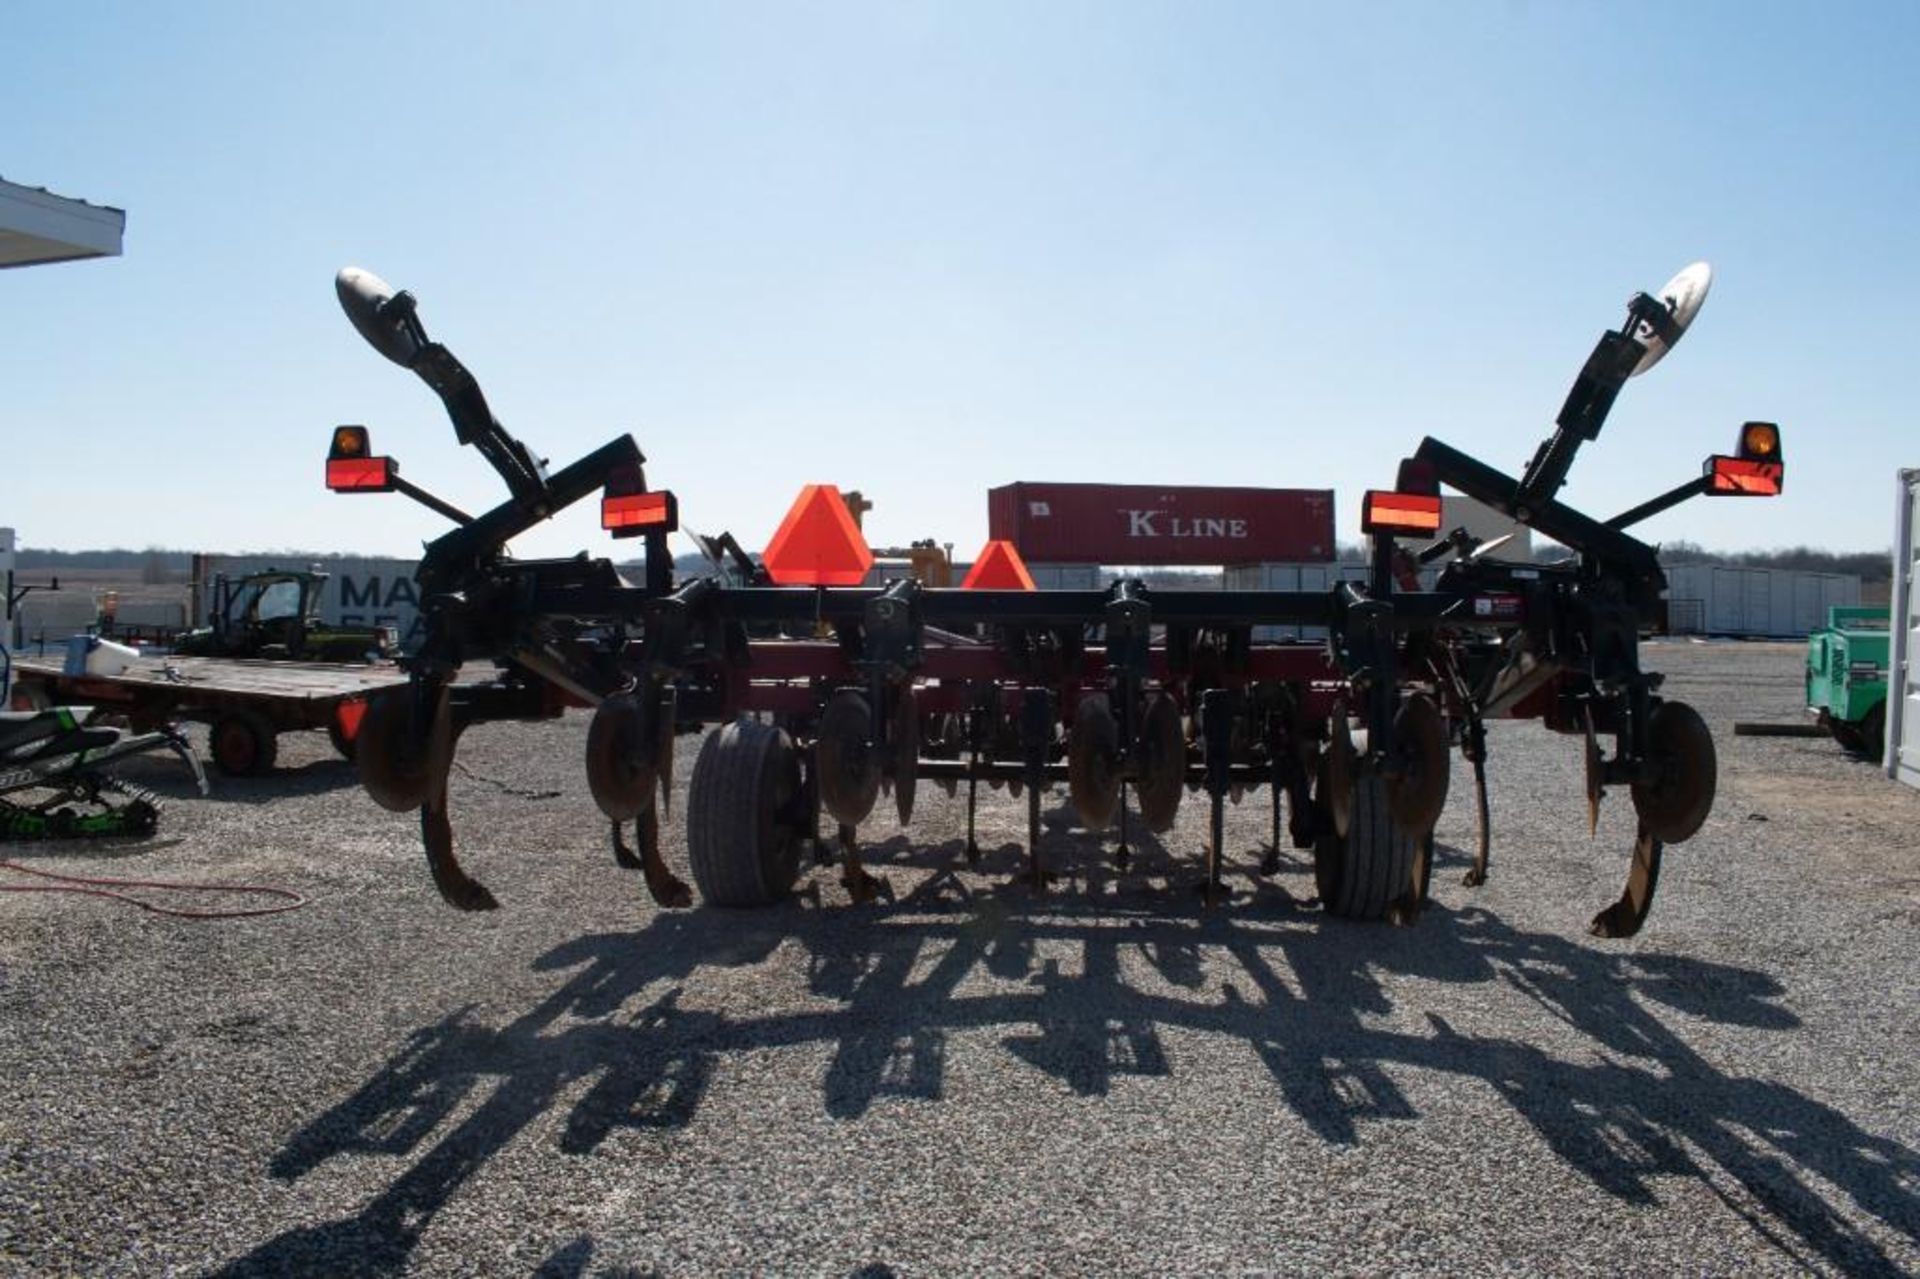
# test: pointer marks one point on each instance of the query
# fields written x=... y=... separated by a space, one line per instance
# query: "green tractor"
x=1847 y=678
x=275 y=616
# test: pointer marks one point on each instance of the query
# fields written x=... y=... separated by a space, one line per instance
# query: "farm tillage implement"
x=829 y=693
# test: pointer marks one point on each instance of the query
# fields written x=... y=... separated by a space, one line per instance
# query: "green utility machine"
x=1847 y=677
x=275 y=615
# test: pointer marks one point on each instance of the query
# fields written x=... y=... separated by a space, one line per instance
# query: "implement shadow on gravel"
x=1297 y=991
x=166 y=775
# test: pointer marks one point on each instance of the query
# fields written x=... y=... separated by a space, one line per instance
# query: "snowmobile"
x=53 y=784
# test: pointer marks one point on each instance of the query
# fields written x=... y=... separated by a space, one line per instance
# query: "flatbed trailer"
x=247 y=704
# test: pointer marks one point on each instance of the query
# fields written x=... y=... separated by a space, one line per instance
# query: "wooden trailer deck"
x=247 y=703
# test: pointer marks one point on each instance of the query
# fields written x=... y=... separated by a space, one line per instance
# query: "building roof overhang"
x=38 y=226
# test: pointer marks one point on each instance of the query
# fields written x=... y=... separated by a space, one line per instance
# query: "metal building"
x=37 y=226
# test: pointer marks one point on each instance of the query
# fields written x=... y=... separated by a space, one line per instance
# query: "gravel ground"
x=968 y=1079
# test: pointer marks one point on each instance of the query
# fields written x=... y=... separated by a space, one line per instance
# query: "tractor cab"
x=275 y=606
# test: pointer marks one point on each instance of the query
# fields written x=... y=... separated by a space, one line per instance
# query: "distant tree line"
x=694 y=565
x=1871 y=566
x=120 y=558
x=32 y=558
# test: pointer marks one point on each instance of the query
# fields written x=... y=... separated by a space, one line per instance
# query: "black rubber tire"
x=1873 y=733
x=1363 y=873
x=243 y=744
x=743 y=843
x=1847 y=735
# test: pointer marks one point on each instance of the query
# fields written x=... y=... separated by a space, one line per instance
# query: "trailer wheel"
x=244 y=744
x=744 y=815
x=31 y=696
x=1362 y=873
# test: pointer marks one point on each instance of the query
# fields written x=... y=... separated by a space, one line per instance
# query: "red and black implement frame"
x=829 y=694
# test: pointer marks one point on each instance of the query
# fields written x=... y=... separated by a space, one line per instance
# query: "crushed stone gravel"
x=967 y=1079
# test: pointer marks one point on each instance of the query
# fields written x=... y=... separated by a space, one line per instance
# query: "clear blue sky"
x=923 y=250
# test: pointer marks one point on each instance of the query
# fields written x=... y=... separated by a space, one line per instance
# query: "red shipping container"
x=1149 y=524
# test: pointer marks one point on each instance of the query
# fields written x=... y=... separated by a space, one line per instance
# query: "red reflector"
x=348 y=716
x=640 y=512
x=1399 y=513
x=360 y=474
x=1744 y=477
x=998 y=568
x=818 y=544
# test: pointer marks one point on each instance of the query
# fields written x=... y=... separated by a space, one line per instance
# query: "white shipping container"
x=1903 y=672
x=1723 y=599
x=1312 y=576
x=1062 y=577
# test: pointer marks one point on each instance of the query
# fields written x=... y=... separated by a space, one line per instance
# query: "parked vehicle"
x=1847 y=678
x=246 y=704
x=275 y=616
x=53 y=784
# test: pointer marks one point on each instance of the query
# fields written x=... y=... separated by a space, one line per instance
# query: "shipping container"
x=1723 y=599
x=1299 y=577
x=360 y=591
x=1903 y=675
x=1140 y=524
x=1067 y=577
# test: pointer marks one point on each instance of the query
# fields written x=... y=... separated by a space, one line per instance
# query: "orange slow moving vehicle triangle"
x=818 y=544
x=998 y=567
